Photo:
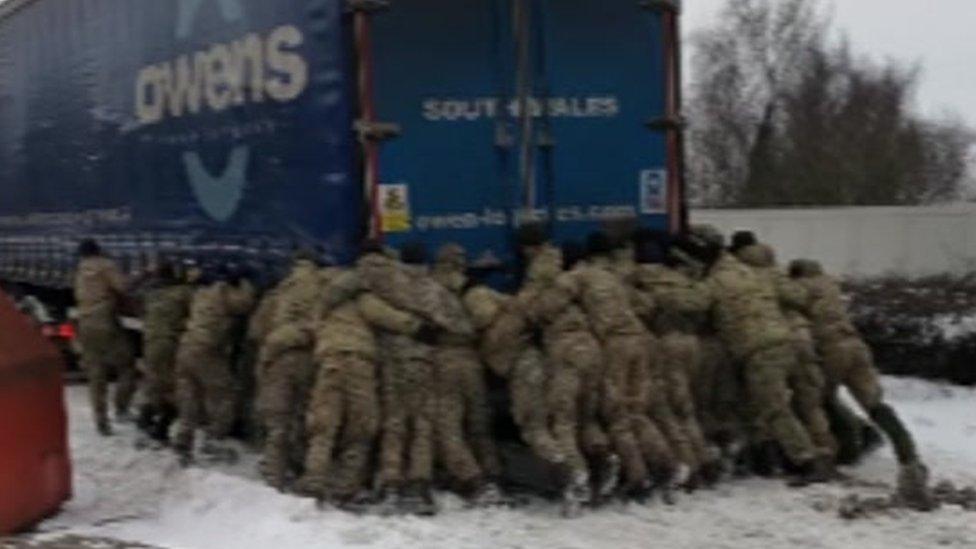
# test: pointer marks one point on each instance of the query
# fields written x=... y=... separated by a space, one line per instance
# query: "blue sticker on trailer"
x=448 y=72
x=209 y=124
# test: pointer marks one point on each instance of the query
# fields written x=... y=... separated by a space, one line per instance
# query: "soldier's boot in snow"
x=163 y=421
x=607 y=477
x=418 y=499
x=309 y=486
x=683 y=478
x=575 y=494
x=913 y=488
x=360 y=503
x=816 y=471
x=184 y=454
x=104 y=427
x=215 y=451
x=766 y=459
x=388 y=503
x=146 y=419
x=487 y=495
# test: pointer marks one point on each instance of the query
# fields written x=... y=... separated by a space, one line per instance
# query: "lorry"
x=239 y=129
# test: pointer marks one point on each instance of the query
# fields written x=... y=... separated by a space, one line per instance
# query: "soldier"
x=286 y=370
x=407 y=391
x=681 y=306
x=716 y=383
x=205 y=387
x=508 y=348
x=626 y=345
x=100 y=289
x=806 y=379
x=344 y=414
x=847 y=361
x=167 y=305
x=463 y=428
x=749 y=320
x=574 y=359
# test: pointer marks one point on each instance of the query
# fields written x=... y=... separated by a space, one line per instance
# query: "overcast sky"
x=939 y=34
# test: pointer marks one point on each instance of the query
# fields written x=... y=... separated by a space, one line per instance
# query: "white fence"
x=864 y=242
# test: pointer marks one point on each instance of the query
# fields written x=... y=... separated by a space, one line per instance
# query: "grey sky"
x=939 y=34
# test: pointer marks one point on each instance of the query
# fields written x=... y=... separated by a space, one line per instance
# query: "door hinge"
x=377 y=131
x=667 y=123
x=673 y=6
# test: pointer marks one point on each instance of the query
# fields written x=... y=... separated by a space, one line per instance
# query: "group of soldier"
x=634 y=364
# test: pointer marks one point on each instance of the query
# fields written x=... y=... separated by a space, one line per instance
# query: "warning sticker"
x=653 y=191
x=394 y=208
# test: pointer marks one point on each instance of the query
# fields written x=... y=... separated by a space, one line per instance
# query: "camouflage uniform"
x=508 y=349
x=847 y=359
x=99 y=286
x=463 y=425
x=749 y=320
x=407 y=386
x=628 y=385
x=344 y=415
x=574 y=363
x=806 y=379
x=166 y=311
x=205 y=387
x=286 y=371
x=681 y=307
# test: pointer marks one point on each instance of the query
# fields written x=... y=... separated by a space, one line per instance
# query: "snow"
x=143 y=496
x=955 y=326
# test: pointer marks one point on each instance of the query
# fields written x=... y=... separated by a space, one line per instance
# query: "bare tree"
x=784 y=116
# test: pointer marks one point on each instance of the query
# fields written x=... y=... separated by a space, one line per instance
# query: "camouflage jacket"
x=166 y=311
x=99 y=287
x=746 y=309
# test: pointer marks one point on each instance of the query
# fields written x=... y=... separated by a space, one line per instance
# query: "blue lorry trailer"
x=238 y=129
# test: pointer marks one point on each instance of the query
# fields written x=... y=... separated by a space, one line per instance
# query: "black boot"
x=816 y=471
x=417 y=498
x=146 y=419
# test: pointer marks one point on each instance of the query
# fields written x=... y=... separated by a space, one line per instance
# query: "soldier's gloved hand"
x=427 y=334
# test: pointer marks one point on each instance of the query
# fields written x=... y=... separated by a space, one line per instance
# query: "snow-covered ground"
x=143 y=496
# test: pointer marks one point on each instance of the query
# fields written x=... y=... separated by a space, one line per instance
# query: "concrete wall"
x=864 y=242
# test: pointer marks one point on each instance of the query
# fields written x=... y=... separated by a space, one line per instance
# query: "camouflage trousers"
x=573 y=361
x=628 y=390
x=848 y=362
x=159 y=358
x=675 y=411
x=463 y=426
x=409 y=407
x=718 y=393
x=809 y=390
x=206 y=393
x=284 y=385
x=105 y=348
x=585 y=352
x=342 y=423
x=766 y=375
x=528 y=386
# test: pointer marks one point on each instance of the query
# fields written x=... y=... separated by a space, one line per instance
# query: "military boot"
x=417 y=499
x=576 y=493
x=815 y=471
x=104 y=427
x=913 y=489
x=607 y=478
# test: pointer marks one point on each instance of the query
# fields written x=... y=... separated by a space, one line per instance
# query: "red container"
x=35 y=468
